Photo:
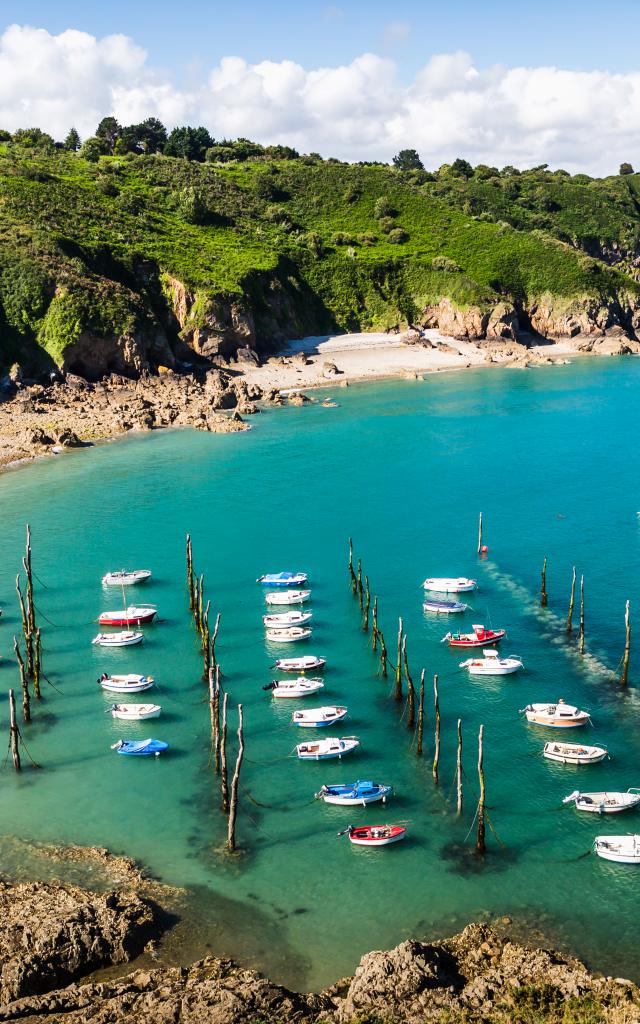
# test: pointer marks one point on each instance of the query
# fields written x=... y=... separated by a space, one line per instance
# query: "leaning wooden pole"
x=214 y=714
x=397 y=693
x=544 y=600
x=459 y=769
x=352 y=575
x=24 y=683
x=384 y=657
x=367 y=605
x=37 y=665
x=14 y=733
x=360 y=586
x=28 y=637
x=571 y=602
x=420 y=716
x=233 y=804
x=190 y=583
x=480 y=838
x=217 y=753
x=581 y=633
x=411 y=693
x=436 y=750
x=214 y=660
x=627 y=648
x=480 y=534
x=374 y=625
x=224 y=781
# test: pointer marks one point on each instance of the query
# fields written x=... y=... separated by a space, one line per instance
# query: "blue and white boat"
x=319 y=750
x=316 y=718
x=444 y=607
x=140 y=748
x=282 y=579
x=355 y=793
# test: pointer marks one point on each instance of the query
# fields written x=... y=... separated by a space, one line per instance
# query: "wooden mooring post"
x=367 y=605
x=24 y=683
x=26 y=631
x=214 y=712
x=459 y=769
x=224 y=781
x=374 y=626
x=581 y=633
x=14 y=733
x=436 y=749
x=420 y=716
x=627 y=648
x=37 y=665
x=411 y=693
x=360 y=586
x=214 y=659
x=233 y=805
x=480 y=838
x=480 y=534
x=543 y=584
x=384 y=657
x=571 y=602
x=190 y=580
x=397 y=693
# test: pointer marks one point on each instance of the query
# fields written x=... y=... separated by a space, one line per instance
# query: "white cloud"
x=579 y=120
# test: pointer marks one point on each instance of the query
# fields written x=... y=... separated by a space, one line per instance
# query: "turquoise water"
x=549 y=456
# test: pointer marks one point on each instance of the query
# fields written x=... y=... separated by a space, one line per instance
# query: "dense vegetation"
x=94 y=236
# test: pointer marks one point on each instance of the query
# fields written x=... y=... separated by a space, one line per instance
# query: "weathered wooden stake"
x=397 y=693
x=627 y=648
x=233 y=806
x=420 y=716
x=217 y=751
x=360 y=587
x=367 y=605
x=384 y=657
x=200 y=604
x=354 y=579
x=224 y=782
x=480 y=534
x=543 y=584
x=571 y=600
x=581 y=633
x=411 y=693
x=459 y=768
x=24 y=683
x=37 y=665
x=28 y=637
x=190 y=583
x=374 y=626
x=480 y=838
x=206 y=643
x=214 y=660
x=14 y=733
x=214 y=712
x=436 y=751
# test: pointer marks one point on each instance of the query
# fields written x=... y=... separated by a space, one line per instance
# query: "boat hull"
x=366 y=836
x=282 y=636
x=286 y=620
x=322 y=751
x=469 y=640
x=304 y=719
x=351 y=796
x=126 y=579
x=126 y=688
x=141 y=748
x=578 y=756
x=288 y=597
x=601 y=803
x=133 y=712
x=620 y=849
x=284 y=580
x=133 y=620
x=481 y=668
x=107 y=640
x=299 y=664
x=445 y=607
x=445 y=585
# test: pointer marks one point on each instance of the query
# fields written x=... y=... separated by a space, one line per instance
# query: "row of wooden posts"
x=218 y=700
x=361 y=590
x=29 y=665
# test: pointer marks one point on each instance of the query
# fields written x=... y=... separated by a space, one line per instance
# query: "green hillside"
x=146 y=250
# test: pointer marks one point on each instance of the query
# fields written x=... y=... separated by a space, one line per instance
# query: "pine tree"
x=72 y=141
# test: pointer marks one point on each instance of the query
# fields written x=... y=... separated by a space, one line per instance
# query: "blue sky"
x=184 y=37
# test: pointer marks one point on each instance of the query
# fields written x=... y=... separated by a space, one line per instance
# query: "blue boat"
x=282 y=579
x=444 y=607
x=140 y=748
x=355 y=793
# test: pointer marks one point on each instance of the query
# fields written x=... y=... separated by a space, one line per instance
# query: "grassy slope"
x=84 y=246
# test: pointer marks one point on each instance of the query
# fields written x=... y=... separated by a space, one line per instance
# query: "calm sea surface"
x=551 y=458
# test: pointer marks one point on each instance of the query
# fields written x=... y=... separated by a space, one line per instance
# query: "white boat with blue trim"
x=282 y=579
x=322 y=750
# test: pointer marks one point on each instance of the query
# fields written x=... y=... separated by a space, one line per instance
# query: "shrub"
x=191 y=206
x=366 y=238
x=398 y=236
x=107 y=187
x=386 y=224
x=342 y=238
x=383 y=208
x=445 y=264
x=351 y=194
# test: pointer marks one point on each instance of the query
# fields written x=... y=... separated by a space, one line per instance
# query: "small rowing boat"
x=126 y=683
x=444 y=607
x=126 y=578
x=288 y=597
x=491 y=664
x=374 y=835
x=282 y=579
x=316 y=718
x=140 y=748
x=449 y=584
x=321 y=750
x=285 y=619
x=604 y=803
x=556 y=716
x=621 y=849
x=574 y=753
x=124 y=639
x=355 y=793
x=300 y=687
x=131 y=616
x=288 y=635
x=479 y=638
x=135 y=712
x=305 y=664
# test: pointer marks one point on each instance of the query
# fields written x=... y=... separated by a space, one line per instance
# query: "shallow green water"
x=550 y=458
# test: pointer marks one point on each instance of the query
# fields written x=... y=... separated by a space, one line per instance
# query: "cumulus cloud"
x=587 y=121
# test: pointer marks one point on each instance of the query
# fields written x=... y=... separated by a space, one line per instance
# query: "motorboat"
x=491 y=664
x=480 y=637
x=285 y=619
x=354 y=793
x=321 y=750
x=574 y=753
x=556 y=716
x=126 y=683
x=124 y=639
x=288 y=635
x=621 y=849
x=444 y=607
x=374 y=835
x=316 y=718
x=304 y=664
x=140 y=748
x=131 y=616
x=294 y=688
x=288 y=597
x=604 y=803
x=449 y=584
x=282 y=579
x=126 y=577
x=135 y=712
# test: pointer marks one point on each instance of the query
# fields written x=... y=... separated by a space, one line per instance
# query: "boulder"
x=247 y=356
x=68 y=439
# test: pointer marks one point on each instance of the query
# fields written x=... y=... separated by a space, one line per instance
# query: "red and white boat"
x=480 y=637
x=374 y=835
x=131 y=616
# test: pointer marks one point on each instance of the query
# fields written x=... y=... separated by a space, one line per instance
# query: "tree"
x=34 y=138
x=92 y=149
x=626 y=169
x=108 y=131
x=190 y=143
x=192 y=206
x=72 y=141
x=461 y=168
x=408 y=160
x=149 y=136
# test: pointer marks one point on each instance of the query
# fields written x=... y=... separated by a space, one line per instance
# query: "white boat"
x=354 y=793
x=556 y=716
x=288 y=635
x=491 y=664
x=316 y=718
x=305 y=664
x=621 y=849
x=294 y=688
x=321 y=750
x=126 y=683
x=135 y=712
x=604 y=803
x=282 y=579
x=288 y=597
x=285 y=619
x=449 y=584
x=124 y=639
x=574 y=753
x=125 y=577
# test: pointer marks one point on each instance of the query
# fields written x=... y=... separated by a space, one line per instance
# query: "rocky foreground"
x=53 y=936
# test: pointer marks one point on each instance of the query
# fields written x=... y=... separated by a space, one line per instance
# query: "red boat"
x=479 y=638
x=132 y=616
x=374 y=835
